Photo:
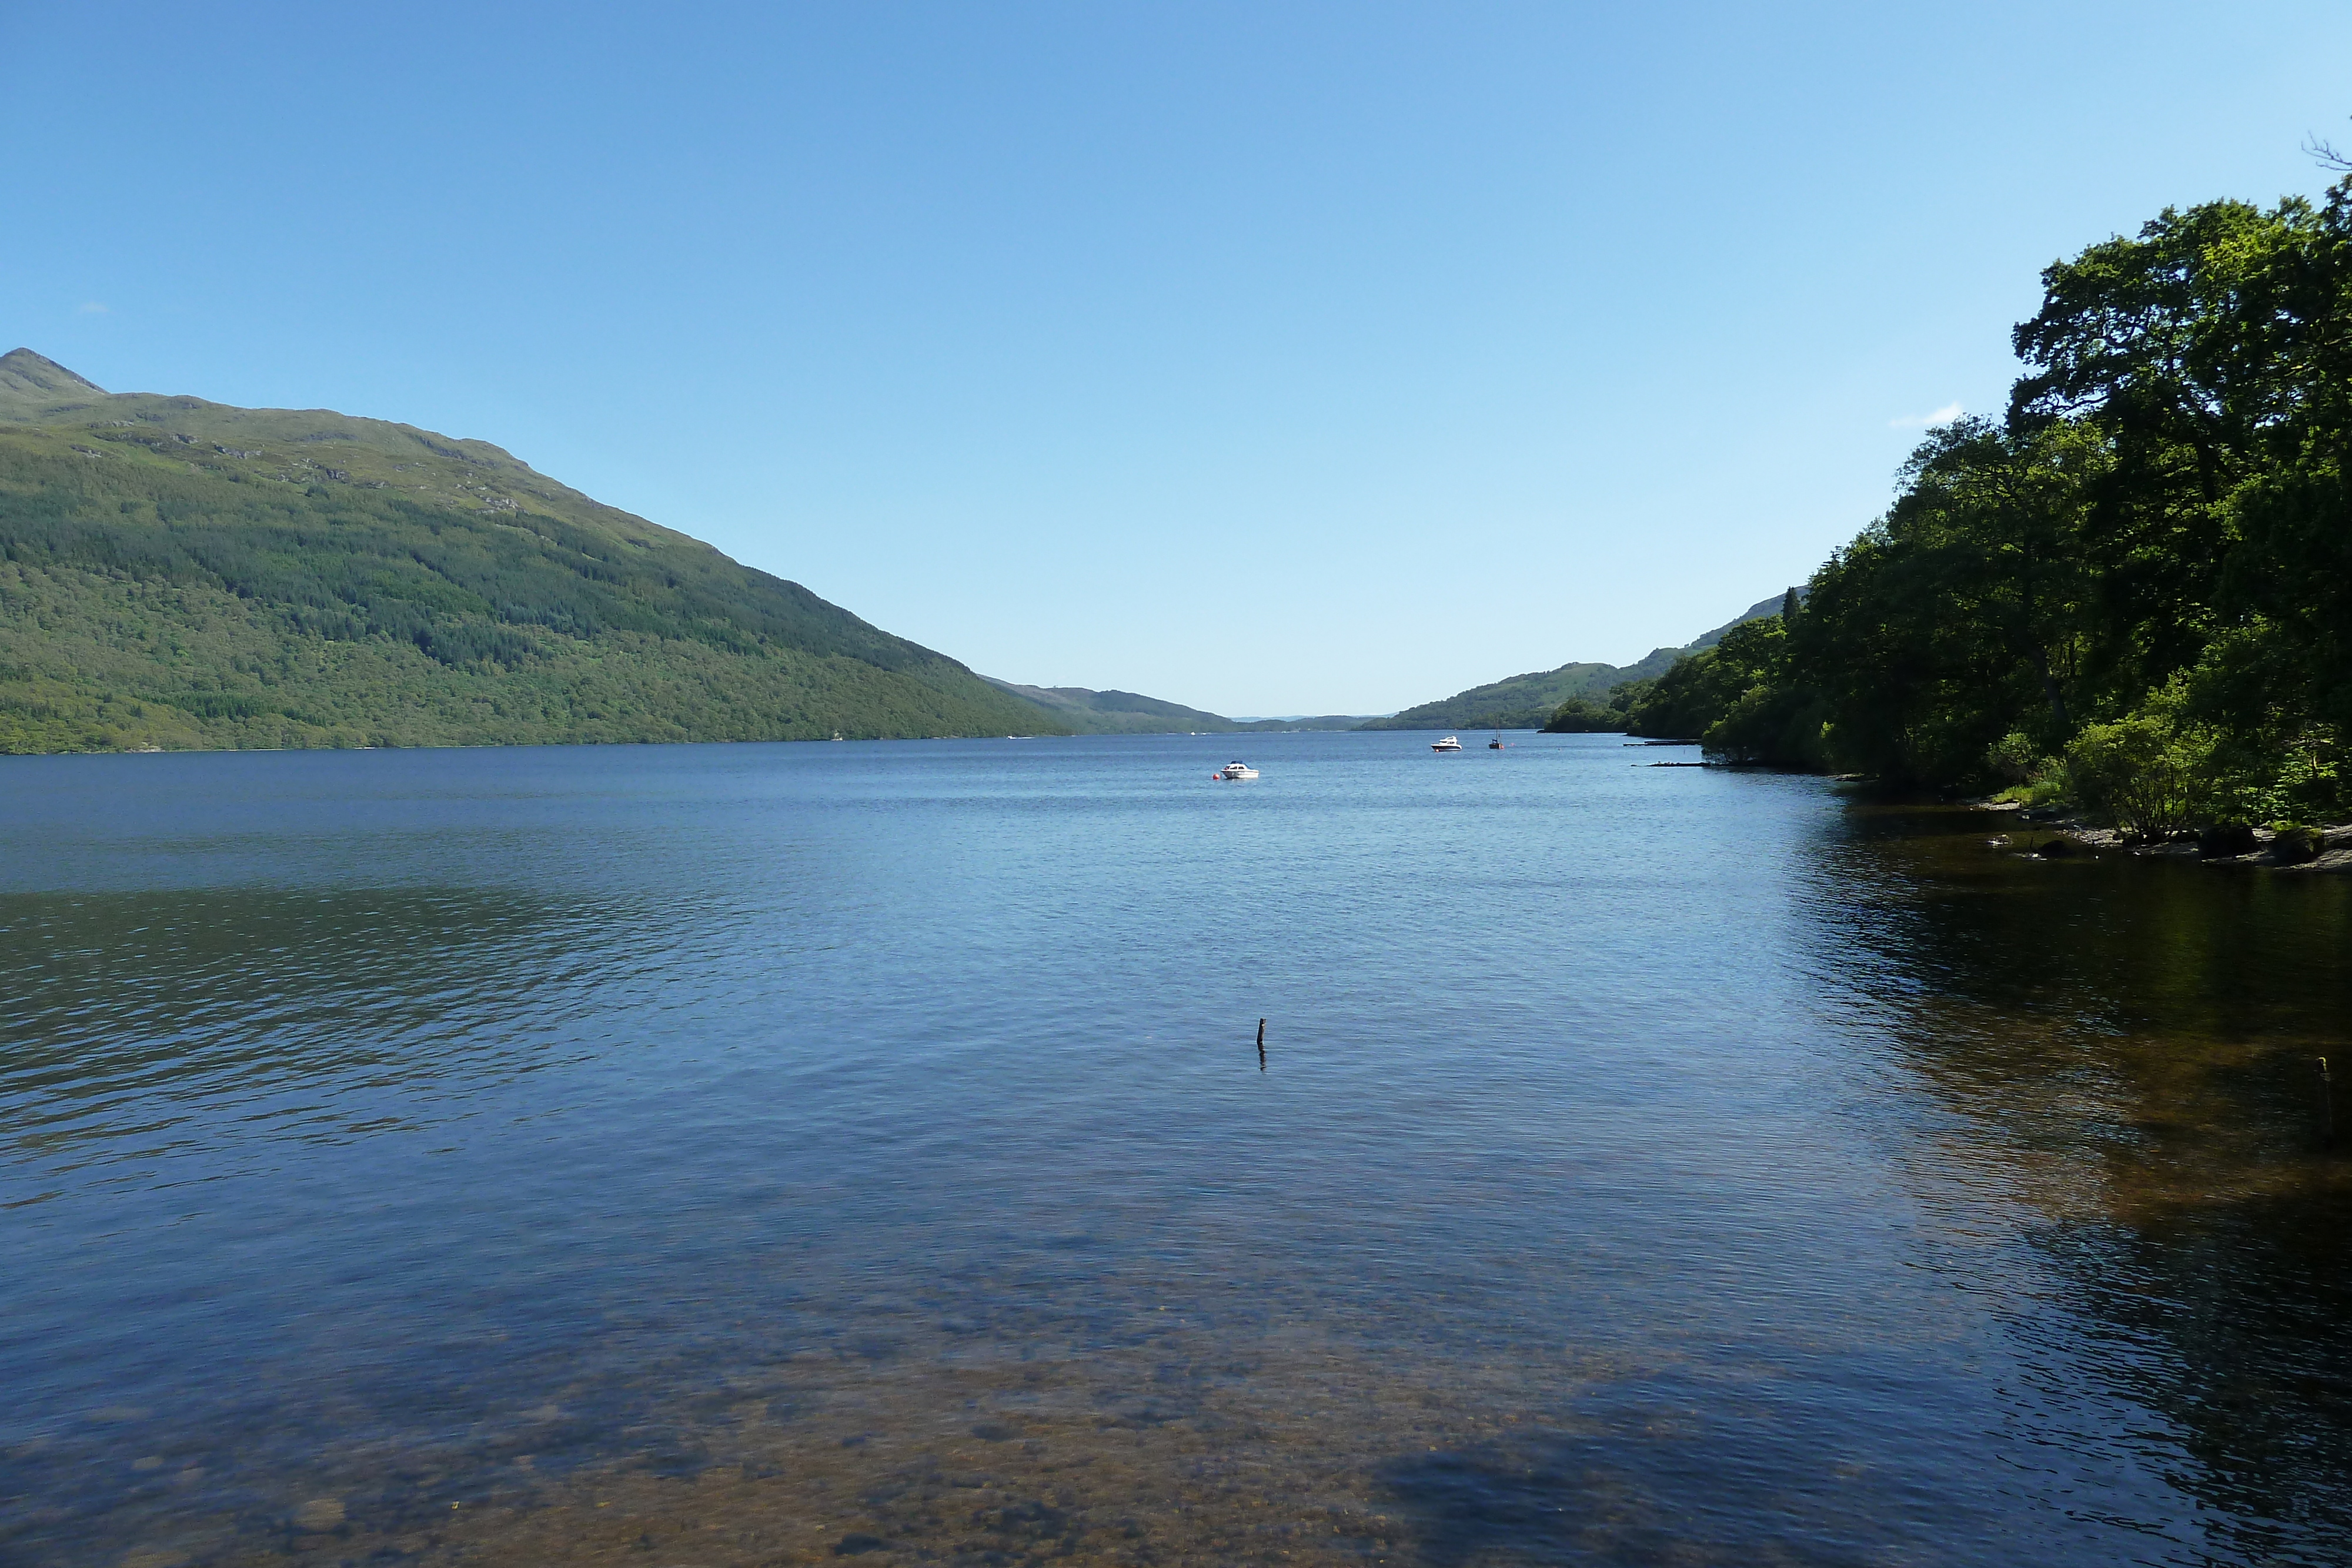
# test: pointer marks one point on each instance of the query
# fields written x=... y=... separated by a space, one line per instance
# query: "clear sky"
x=1272 y=358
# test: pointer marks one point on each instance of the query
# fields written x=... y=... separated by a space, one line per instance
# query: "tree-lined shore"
x=2132 y=592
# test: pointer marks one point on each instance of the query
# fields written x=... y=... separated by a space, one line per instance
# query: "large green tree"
x=2156 y=537
x=1965 y=611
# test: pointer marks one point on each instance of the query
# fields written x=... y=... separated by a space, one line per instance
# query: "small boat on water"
x=1496 y=744
x=1449 y=744
x=1233 y=771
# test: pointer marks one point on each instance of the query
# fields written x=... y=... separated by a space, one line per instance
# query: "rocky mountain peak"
x=27 y=374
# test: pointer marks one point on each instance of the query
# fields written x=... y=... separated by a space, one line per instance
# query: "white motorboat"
x=1232 y=771
x=1448 y=744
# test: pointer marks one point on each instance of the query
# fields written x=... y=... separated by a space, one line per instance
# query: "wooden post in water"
x=1260 y=1045
x=2327 y=1107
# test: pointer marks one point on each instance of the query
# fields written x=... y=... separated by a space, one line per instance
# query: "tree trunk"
x=2050 y=688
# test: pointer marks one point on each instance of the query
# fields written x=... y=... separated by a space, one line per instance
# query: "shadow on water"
x=2141 y=1039
x=2238 y=1315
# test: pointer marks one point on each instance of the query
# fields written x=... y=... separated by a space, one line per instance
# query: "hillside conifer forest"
x=177 y=573
x=2132 y=592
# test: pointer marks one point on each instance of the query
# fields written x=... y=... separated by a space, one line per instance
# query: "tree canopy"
x=2143 y=568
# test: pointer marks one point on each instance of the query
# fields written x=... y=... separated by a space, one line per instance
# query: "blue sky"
x=1274 y=358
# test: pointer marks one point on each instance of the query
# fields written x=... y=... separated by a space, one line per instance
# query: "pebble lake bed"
x=778 y=1154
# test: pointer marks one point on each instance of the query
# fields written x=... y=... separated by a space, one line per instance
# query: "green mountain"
x=178 y=574
x=1525 y=702
x=1086 y=712
x=1126 y=712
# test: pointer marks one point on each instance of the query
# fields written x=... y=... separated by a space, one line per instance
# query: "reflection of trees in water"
x=2141 y=1037
x=138 y=1018
x=1919 y=898
x=2168 y=1016
x=2232 y=1319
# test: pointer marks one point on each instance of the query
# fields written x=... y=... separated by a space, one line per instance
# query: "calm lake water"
x=766 y=1154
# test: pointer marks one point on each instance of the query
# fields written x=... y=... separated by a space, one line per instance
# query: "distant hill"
x=1089 y=712
x=1325 y=721
x=1111 y=713
x=1525 y=702
x=179 y=573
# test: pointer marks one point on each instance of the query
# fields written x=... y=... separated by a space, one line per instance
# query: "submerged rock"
x=320 y=1513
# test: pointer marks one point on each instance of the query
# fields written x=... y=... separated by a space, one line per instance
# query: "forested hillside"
x=1530 y=701
x=1089 y=712
x=180 y=573
x=2133 y=590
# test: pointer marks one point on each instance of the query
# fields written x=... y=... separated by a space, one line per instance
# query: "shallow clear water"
x=760 y=1155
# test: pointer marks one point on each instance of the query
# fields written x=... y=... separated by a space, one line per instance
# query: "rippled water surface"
x=770 y=1155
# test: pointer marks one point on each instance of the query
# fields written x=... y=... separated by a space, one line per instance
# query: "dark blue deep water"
x=776 y=1153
